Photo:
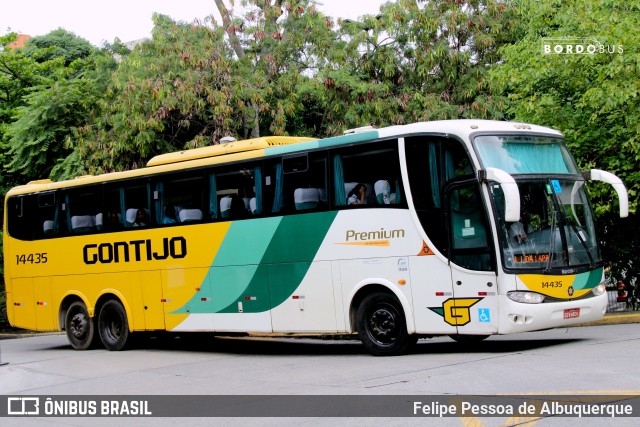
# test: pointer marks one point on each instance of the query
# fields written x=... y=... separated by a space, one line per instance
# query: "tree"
x=418 y=60
x=190 y=85
x=58 y=43
x=593 y=98
x=54 y=88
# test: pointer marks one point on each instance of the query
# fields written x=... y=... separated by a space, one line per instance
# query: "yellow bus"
x=465 y=228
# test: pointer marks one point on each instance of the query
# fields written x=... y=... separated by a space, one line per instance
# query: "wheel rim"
x=78 y=325
x=112 y=325
x=383 y=325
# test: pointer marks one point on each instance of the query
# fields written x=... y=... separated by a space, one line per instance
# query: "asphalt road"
x=592 y=360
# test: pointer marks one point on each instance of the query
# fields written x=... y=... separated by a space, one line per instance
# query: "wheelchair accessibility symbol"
x=484 y=315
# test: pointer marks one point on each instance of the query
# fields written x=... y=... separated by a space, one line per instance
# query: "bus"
x=461 y=228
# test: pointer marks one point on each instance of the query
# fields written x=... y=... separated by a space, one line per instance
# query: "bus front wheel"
x=113 y=325
x=79 y=326
x=382 y=326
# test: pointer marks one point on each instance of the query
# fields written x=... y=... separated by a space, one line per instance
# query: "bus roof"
x=282 y=145
x=227 y=148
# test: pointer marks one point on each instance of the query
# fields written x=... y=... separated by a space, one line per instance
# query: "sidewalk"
x=616 y=318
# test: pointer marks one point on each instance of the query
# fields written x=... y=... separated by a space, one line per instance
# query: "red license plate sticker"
x=571 y=313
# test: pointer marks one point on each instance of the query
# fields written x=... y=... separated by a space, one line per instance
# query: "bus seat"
x=48 y=227
x=252 y=206
x=306 y=198
x=322 y=194
x=245 y=200
x=130 y=216
x=82 y=223
x=225 y=207
x=188 y=215
x=348 y=186
x=98 y=221
x=382 y=189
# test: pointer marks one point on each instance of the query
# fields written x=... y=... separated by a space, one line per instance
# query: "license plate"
x=571 y=313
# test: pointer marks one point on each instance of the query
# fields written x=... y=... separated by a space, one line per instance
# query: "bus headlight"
x=526 y=297
x=599 y=290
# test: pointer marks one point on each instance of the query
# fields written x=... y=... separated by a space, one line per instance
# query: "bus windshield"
x=556 y=228
x=525 y=154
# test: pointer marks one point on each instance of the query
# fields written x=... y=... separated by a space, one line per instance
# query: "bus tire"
x=79 y=326
x=113 y=325
x=382 y=326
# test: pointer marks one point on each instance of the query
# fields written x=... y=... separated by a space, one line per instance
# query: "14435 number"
x=37 y=258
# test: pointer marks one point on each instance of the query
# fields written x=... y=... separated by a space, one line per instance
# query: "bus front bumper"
x=520 y=317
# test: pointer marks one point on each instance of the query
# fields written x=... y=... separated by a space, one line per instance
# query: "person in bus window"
x=357 y=195
x=142 y=218
x=169 y=215
x=112 y=222
x=238 y=209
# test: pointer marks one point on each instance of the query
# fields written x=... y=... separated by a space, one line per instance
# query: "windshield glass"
x=522 y=154
x=556 y=229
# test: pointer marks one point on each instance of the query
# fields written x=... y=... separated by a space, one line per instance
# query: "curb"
x=616 y=318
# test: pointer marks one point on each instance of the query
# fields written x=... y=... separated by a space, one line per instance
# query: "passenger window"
x=180 y=199
x=47 y=215
x=233 y=189
x=300 y=183
x=368 y=175
x=112 y=216
x=82 y=205
x=136 y=201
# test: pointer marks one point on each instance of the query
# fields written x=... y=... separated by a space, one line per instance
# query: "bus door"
x=473 y=308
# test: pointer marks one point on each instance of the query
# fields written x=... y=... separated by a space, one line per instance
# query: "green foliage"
x=417 y=61
x=47 y=98
x=58 y=44
x=594 y=99
x=190 y=85
x=37 y=137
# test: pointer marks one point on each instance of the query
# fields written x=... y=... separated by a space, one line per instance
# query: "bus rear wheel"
x=382 y=326
x=113 y=325
x=79 y=326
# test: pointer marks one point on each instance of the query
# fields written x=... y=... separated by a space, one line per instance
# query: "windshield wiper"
x=552 y=243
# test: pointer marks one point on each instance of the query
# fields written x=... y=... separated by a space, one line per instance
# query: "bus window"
x=301 y=183
x=19 y=219
x=235 y=188
x=469 y=231
x=179 y=199
x=82 y=206
x=377 y=169
x=47 y=215
x=136 y=202
x=432 y=162
x=111 y=217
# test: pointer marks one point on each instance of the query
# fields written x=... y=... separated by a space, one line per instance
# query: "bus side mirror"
x=509 y=189
x=616 y=183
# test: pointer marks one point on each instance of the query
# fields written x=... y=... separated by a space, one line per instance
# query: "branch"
x=226 y=19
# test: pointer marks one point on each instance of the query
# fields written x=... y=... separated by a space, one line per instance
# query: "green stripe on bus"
x=260 y=263
x=588 y=280
x=321 y=143
x=285 y=263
